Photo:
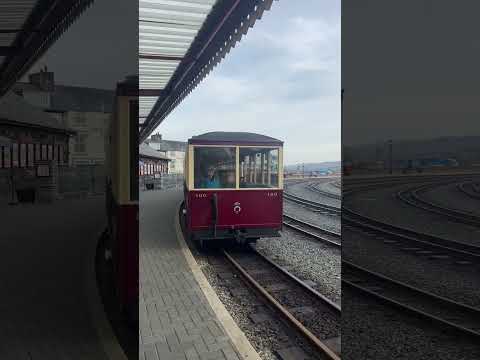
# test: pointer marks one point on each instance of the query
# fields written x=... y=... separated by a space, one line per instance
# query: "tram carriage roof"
x=234 y=138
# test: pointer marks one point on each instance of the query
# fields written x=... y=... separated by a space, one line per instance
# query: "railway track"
x=315 y=206
x=413 y=197
x=470 y=188
x=328 y=194
x=412 y=241
x=314 y=231
x=316 y=317
x=446 y=312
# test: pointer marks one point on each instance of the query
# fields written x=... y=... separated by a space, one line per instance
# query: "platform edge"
x=239 y=340
x=103 y=329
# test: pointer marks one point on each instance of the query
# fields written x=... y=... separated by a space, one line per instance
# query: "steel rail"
x=312 y=204
x=324 y=193
x=316 y=342
x=311 y=290
x=458 y=248
x=314 y=227
x=456 y=315
x=412 y=197
x=474 y=192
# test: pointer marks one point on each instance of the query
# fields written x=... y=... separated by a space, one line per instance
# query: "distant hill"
x=320 y=167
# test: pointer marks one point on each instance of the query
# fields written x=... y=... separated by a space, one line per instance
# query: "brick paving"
x=176 y=320
x=44 y=250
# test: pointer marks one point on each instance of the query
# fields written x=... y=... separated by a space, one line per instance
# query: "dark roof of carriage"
x=241 y=138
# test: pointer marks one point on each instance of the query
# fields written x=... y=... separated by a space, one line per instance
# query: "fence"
x=161 y=182
x=81 y=181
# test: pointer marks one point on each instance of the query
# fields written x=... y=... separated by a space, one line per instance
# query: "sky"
x=281 y=80
x=410 y=81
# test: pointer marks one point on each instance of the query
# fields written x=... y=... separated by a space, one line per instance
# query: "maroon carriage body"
x=239 y=213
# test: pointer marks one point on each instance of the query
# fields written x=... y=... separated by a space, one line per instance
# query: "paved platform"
x=177 y=320
x=44 y=307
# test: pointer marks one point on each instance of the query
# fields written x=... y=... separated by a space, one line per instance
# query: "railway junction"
x=414 y=267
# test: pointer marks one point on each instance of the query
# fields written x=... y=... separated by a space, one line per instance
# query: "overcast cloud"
x=282 y=80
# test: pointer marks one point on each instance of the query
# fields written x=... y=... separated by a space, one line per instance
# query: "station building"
x=153 y=166
x=174 y=150
x=33 y=147
x=86 y=111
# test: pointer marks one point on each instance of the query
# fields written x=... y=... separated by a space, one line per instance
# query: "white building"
x=174 y=150
x=87 y=111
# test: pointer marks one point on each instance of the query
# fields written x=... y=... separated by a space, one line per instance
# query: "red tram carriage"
x=122 y=195
x=233 y=187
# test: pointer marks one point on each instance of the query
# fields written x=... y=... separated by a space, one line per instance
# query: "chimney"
x=43 y=79
x=156 y=137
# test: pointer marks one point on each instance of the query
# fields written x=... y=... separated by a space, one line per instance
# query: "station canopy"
x=27 y=29
x=180 y=41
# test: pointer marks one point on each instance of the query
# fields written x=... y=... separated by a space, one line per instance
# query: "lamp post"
x=390 y=155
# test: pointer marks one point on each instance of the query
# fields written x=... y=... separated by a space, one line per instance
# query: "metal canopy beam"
x=47 y=20
x=228 y=21
x=150 y=92
x=160 y=57
x=8 y=50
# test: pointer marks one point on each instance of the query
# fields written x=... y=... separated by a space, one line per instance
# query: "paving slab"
x=45 y=311
x=184 y=324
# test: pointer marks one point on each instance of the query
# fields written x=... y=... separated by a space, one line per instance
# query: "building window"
x=23 y=155
x=30 y=155
x=15 y=155
x=44 y=152
x=50 y=152
x=80 y=143
x=80 y=119
x=6 y=157
x=38 y=155
x=60 y=154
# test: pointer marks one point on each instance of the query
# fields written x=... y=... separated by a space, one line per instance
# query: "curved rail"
x=470 y=188
x=314 y=340
x=316 y=206
x=320 y=234
x=328 y=194
x=412 y=197
x=459 y=249
x=408 y=298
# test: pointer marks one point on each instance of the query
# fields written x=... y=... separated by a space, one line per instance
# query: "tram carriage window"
x=258 y=167
x=215 y=167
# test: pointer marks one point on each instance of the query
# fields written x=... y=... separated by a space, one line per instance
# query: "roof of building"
x=15 y=110
x=147 y=151
x=223 y=137
x=75 y=98
x=169 y=145
x=30 y=27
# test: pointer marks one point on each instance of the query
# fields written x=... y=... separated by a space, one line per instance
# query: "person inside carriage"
x=211 y=179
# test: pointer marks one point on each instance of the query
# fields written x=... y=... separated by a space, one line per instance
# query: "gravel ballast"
x=383 y=205
x=302 y=190
x=371 y=330
x=307 y=259
x=329 y=222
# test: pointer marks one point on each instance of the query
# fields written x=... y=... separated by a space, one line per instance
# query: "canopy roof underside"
x=27 y=29
x=180 y=41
